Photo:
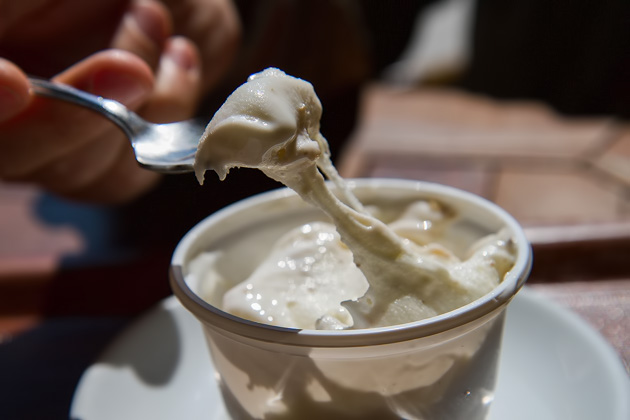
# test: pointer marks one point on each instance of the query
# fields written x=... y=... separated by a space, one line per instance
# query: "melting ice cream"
x=356 y=272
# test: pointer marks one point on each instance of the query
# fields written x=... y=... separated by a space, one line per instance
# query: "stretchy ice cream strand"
x=325 y=165
x=393 y=271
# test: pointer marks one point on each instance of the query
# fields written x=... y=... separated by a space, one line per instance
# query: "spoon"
x=167 y=148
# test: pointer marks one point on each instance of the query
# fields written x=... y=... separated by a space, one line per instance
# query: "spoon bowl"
x=167 y=148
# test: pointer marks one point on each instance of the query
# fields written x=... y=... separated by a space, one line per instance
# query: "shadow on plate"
x=152 y=348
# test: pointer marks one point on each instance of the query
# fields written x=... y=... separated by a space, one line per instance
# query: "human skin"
x=157 y=58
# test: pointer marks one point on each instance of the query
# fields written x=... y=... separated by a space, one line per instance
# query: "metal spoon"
x=168 y=148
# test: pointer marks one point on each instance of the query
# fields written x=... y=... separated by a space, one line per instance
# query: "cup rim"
x=226 y=323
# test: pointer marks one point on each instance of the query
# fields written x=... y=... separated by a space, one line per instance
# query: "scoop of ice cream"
x=271 y=121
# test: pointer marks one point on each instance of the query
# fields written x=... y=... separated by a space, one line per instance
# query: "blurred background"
x=523 y=102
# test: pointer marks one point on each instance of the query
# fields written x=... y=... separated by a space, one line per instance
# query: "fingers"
x=117 y=177
x=49 y=131
x=121 y=182
x=175 y=97
x=80 y=154
x=178 y=84
x=214 y=26
x=114 y=175
x=80 y=167
x=14 y=90
x=220 y=44
x=143 y=30
x=112 y=74
x=104 y=171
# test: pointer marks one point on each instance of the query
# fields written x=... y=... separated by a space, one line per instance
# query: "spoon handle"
x=127 y=120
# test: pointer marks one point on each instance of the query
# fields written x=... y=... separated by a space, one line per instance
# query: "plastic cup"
x=444 y=367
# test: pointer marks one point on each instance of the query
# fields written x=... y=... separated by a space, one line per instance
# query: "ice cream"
x=360 y=274
x=443 y=367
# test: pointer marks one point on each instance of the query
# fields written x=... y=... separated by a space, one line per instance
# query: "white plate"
x=553 y=366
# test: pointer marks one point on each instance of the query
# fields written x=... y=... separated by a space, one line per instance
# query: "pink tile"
x=556 y=197
x=449 y=122
x=467 y=176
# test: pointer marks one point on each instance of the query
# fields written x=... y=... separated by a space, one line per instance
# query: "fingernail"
x=182 y=54
x=149 y=22
x=120 y=87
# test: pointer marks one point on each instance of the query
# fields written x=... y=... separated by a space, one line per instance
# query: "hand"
x=74 y=152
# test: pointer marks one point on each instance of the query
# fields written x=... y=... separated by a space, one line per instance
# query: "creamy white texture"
x=302 y=282
x=272 y=123
x=309 y=276
x=269 y=121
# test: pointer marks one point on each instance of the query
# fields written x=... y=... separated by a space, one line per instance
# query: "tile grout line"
x=612 y=134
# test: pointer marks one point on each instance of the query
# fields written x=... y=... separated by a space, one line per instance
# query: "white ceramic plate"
x=553 y=367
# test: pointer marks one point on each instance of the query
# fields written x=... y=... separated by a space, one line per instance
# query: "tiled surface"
x=546 y=196
x=450 y=123
x=545 y=169
x=567 y=180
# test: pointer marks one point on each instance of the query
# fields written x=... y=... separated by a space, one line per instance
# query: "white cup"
x=438 y=368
